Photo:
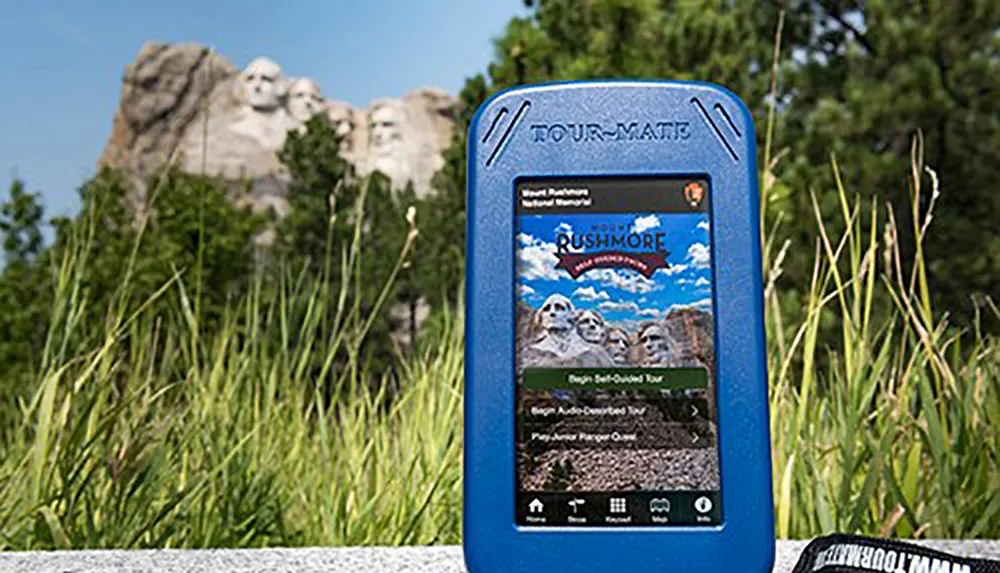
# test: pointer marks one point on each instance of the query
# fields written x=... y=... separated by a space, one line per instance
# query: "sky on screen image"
x=619 y=294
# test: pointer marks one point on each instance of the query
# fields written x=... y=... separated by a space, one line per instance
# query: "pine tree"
x=318 y=232
x=24 y=292
x=20 y=217
x=873 y=76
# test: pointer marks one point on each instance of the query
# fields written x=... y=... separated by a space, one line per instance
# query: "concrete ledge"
x=329 y=560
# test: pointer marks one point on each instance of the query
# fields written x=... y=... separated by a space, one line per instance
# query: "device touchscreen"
x=615 y=358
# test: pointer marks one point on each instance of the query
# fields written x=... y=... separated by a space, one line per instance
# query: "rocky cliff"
x=160 y=98
x=186 y=104
x=691 y=332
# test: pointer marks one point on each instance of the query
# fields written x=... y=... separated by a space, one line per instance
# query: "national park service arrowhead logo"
x=694 y=193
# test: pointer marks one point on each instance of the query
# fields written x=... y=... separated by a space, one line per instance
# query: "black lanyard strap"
x=840 y=553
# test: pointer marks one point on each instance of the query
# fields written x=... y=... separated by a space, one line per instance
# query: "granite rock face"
x=686 y=339
x=184 y=103
x=693 y=331
x=406 y=137
x=161 y=95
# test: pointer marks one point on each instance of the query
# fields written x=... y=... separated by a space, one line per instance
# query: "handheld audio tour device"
x=615 y=387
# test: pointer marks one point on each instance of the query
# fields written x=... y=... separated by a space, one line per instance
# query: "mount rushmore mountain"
x=184 y=103
x=557 y=334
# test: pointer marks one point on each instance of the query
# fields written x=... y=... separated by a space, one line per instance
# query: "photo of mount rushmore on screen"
x=614 y=347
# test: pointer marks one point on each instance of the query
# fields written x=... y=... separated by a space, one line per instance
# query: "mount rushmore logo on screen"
x=615 y=278
x=617 y=237
x=615 y=357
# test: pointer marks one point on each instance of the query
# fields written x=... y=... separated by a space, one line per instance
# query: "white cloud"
x=642 y=300
x=699 y=282
x=643 y=224
x=674 y=269
x=525 y=290
x=704 y=304
x=649 y=313
x=590 y=294
x=627 y=281
x=699 y=255
x=620 y=305
x=703 y=225
x=564 y=228
x=537 y=259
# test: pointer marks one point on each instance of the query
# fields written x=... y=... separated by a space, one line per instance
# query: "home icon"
x=535 y=506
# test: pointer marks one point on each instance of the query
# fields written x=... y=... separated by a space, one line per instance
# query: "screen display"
x=614 y=350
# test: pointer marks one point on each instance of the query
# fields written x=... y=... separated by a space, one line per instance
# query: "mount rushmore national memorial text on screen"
x=615 y=420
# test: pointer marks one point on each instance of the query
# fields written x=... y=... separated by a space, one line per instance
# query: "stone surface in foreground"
x=331 y=560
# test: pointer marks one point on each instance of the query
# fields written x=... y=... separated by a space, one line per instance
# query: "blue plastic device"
x=593 y=131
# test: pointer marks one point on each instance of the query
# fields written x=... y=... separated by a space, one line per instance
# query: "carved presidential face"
x=653 y=341
x=618 y=344
x=386 y=128
x=263 y=85
x=557 y=313
x=304 y=99
x=340 y=118
x=590 y=326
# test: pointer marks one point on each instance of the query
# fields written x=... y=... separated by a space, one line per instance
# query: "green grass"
x=151 y=430
x=894 y=429
x=145 y=431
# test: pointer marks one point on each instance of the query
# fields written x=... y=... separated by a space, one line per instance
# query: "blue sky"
x=62 y=62
x=621 y=295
